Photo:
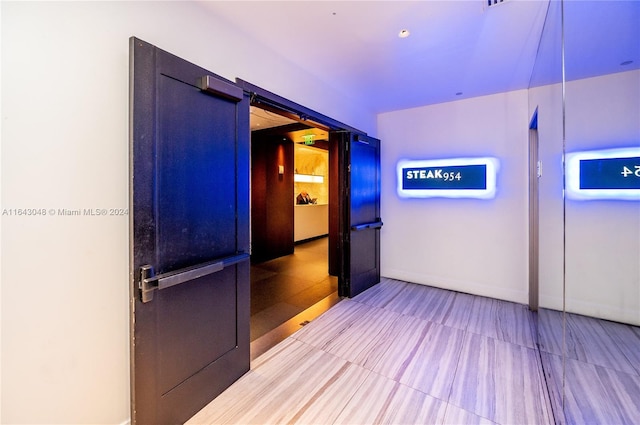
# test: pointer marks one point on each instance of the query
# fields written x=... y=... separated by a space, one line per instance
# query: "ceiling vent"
x=490 y=3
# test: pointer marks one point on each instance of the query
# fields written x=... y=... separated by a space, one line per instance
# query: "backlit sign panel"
x=604 y=174
x=449 y=178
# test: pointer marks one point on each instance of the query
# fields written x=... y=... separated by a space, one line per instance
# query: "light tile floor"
x=601 y=365
x=398 y=353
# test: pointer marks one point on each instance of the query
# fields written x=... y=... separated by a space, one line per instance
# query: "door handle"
x=373 y=225
x=149 y=282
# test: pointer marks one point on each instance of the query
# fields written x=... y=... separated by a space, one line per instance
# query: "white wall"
x=480 y=247
x=65 y=339
x=603 y=236
x=467 y=245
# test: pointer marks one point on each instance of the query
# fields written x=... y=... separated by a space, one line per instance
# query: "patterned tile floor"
x=398 y=353
x=602 y=369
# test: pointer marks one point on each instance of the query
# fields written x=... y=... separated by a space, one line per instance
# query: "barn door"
x=189 y=235
x=361 y=221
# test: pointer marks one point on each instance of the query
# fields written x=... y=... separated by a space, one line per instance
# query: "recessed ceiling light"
x=404 y=33
x=626 y=63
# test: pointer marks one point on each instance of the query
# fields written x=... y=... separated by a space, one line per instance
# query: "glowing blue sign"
x=448 y=178
x=604 y=174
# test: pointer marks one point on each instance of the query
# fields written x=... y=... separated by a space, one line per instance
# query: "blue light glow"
x=603 y=174
x=448 y=178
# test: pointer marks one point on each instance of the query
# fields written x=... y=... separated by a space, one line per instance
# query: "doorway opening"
x=535 y=172
x=291 y=282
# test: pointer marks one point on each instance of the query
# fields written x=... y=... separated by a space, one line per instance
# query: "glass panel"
x=586 y=91
x=546 y=111
x=602 y=225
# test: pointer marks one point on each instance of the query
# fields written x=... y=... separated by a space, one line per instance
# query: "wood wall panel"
x=272 y=199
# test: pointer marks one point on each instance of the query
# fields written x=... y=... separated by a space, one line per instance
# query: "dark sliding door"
x=189 y=235
x=360 y=214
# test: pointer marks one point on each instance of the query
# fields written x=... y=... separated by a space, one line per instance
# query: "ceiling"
x=261 y=119
x=456 y=48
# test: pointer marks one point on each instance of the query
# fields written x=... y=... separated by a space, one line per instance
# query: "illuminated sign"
x=604 y=174
x=449 y=178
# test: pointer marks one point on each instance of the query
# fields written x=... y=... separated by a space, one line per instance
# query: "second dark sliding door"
x=360 y=222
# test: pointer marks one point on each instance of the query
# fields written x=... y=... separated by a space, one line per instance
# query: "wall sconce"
x=281 y=169
x=307 y=178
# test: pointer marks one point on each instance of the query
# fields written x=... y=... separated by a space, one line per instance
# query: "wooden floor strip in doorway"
x=273 y=337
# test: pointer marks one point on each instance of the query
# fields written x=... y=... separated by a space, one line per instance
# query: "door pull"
x=372 y=225
x=149 y=282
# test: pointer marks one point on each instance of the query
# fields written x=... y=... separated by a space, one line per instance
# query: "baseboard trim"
x=473 y=288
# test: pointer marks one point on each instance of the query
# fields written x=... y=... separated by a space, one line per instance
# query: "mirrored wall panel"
x=585 y=96
x=602 y=212
x=546 y=209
